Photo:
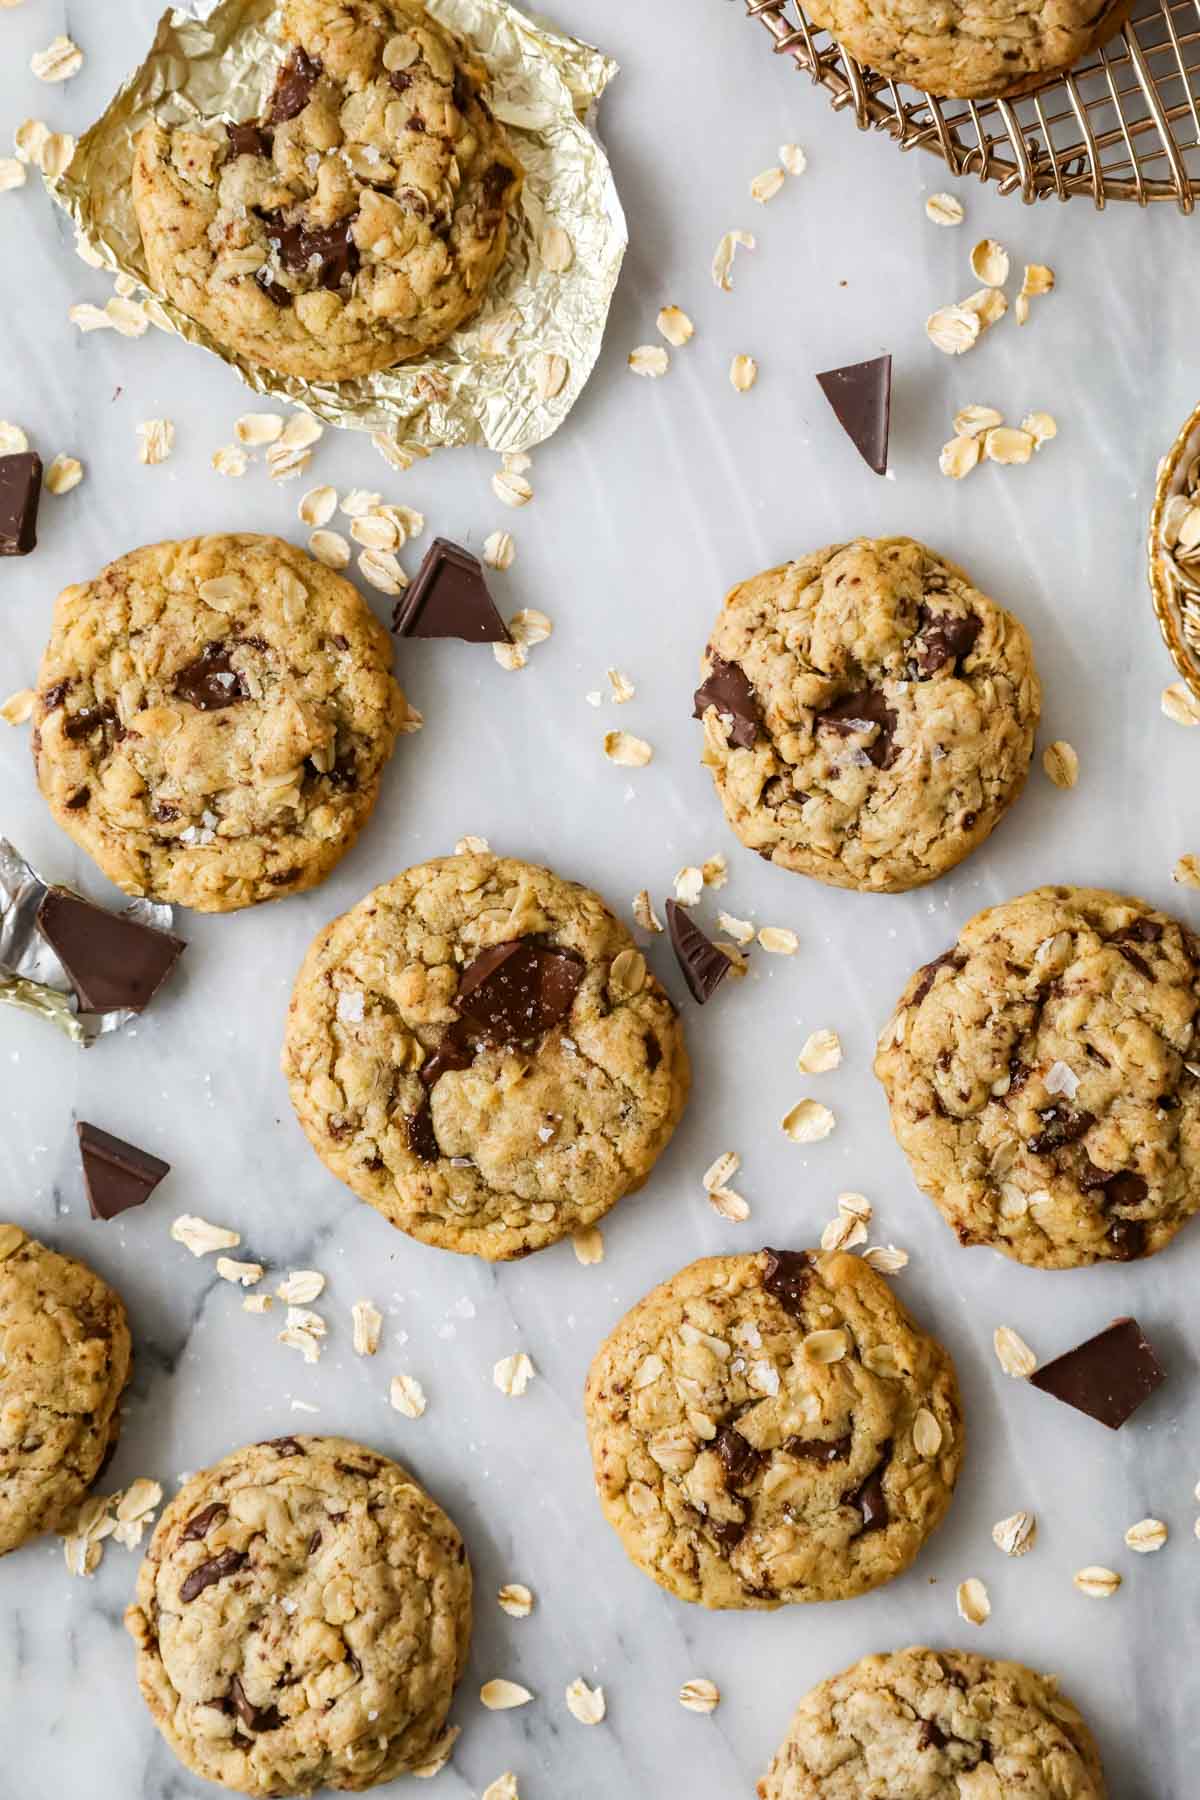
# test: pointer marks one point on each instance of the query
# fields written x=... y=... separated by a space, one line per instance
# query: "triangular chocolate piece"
x=514 y=992
x=861 y=397
x=728 y=688
x=1107 y=1377
x=112 y=962
x=117 y=1175
x=704 y=966
x=449 y=599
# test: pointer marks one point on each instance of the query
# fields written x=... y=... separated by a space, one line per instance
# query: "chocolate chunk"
x=1138 y=931
x=462 y=90
x=314 y=1543
x=293 y=87
x=248 y=140
x=211 y=681
x=1107 y=1377
x=274 y=290
x=117 y=1175
x=728 y=1533
x=449 y=599
x=1061 y=1126
x=943 y=638
x=422 y=1139
x=514 y=992
x=111 y=961
x=401 y=80
x=327 y=254
x=254 y=1718
x=1128 y=1239
x=786 y=1279
x=456 y=1050
x=869 y=1497
x=703 y=966
x=859 y=712
x=20 y=492
x=212 y=1571
x=738 y=1455
x=1121 y=1187
x=931 y=1736
x=201 y=1523
x=79 y=798
x=819 y=1450
x=949 y=959
x=90 y=719
x=861 y=397
x=728 y=688
x=282 y=1446
x=497 y=182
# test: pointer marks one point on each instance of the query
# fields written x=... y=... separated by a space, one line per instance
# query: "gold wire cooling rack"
x=1123 y=125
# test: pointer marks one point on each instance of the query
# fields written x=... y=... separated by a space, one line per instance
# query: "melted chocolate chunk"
x=274 y=290
x=949 y=959
x=314 y=1543
x=293 y=87
x=1108 y=1377
x=248 y=140
x=869 y=1496
x=1121 y=1187
x=1060 y=1126
x=653 y=1050
x=931 y=1736
x=728 y=688
x=254 y=1718
x=212 y=1571
x=54 y=696
x=201 y=1523
x=456 y=1050
x=449 y=599
x=210 y=682
x=79 y=798
x=702 y=965
x=20 y=494
x=90 y=719
x=786 y=1278
x=738 y=1456
x=422 y=1139
x=728 y=1533
x=943 y=638
x=116 y=1175
x=462 y=90
x=514 y=992
x=111 y=962
x=824 y=1451
x=1128 y=1239
x=860 y=712
x=861 y=397
x=496 y=185
x=400 y=80
x=1138 y=931
x=327 y=254
x=282 y=1446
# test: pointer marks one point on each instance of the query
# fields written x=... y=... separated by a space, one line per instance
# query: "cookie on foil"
x=359 y=220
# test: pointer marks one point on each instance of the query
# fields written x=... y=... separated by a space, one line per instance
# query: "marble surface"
x=650 y=502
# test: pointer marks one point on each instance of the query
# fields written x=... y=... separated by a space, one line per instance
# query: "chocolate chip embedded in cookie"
x=966 y=49
x=479 y=1050
x=869 y=715
x=65 y=1358
x=1044 y=1078
x=359 y=220
x=754 y=1424
x=942 y=1724
x=302 y=1618
x=213 y=718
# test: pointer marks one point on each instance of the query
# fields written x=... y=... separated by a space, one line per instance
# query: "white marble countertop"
x=652 y=500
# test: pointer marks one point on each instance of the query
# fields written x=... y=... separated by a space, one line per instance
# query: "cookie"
x=1044 y=1078
x=65 y=1357
x=213 y=718
x=869 y=715
x=938 y=1724
x=302 y=1618
x=773 y=1428
x=359 y=220
x=970 y=49
x=479 y=1050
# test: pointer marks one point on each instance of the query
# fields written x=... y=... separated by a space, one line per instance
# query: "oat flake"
x=944 y=209
x=629 y=752
x=953 y=329
x=318 y=506
x=18 y=708
x=513 y=489
x=689 y=885
x=885 y=1259
x=1146 y=1536
x=588 y=1244
x=1015 y=1535
x=64 y=473
x=1061 y=763
x=675 y=326
x=793 y=158
x=59 y=61
x=650 y=360
x=700 y=1696
x=515 y=1599
x=1096 y=1582
x=644 y=913
x=503 y=1788
x=330 y=548
x=229 y=460
x=1013 y=1353
x=499 y=550
x=247 y=1273
x=959 y=457
x=1180 y=705
x=12 y=173
x=808 y=1122
x=156 y=440
x=821 y=1050
x=407 y=1396
x=989 y=263
x=201 y=1238
x=777 y=940
x=368 y=1327
x=722 y=267
x=972 y=1601
x=1006 y=444
x=584 y=1703
x=500 y=1695
x=513 y=1374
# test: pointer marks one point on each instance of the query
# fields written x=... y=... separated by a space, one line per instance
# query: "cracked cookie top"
x=479 y=1050
x=971 y=49
x=869 y=715
x=359 y=220
x=213 y=718
x=936 y=1725
x=65 y=1358
x=302 y=1617
x=1044 y=1078
x=773 y=1428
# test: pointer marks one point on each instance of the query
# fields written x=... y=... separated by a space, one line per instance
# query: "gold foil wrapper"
x=1174 y=580
x=486 y=384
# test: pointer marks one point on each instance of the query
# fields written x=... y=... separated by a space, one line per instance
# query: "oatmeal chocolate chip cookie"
x=772 y=1428
x=65 y=1358
x=1044 y=1078
x=359 y=221
x=302 y=1618
x=213 y=718
x=478 y=1049
x=868 y=714
x=936 y=1725
x=971 y=49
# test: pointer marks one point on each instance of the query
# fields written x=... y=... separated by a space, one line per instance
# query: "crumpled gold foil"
x=544 y=89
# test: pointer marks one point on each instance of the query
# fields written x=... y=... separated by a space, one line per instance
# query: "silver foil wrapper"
x=487 y=384
x=31 y=975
